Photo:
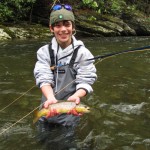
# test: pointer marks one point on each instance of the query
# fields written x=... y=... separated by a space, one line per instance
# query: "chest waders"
x=64 y=77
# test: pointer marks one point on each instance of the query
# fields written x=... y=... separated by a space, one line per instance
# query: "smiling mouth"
x=64 y=36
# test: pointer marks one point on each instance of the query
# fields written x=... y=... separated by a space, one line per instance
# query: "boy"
x=70 y=81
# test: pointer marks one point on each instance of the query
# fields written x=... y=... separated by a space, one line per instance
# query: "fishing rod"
x=107 y=55
x=118 y=53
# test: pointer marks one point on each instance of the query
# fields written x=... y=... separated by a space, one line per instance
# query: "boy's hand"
x=75 y=99
x=48 y=102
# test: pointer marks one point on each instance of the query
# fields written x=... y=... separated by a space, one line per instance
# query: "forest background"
x=94 y=17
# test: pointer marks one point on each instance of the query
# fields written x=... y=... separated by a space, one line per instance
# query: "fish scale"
x=62 y=106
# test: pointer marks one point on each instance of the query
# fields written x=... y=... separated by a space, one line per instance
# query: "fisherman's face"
x=63 y=32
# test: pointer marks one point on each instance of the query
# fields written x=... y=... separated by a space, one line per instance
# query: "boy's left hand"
x=75 y=99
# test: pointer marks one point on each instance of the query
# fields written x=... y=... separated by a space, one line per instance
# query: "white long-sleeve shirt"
x=86 y=71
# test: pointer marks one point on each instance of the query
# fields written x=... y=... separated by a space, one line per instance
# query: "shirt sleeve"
x=42 y=71
x=86 y=71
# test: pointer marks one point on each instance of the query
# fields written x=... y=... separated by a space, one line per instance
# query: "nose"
x=63 y=28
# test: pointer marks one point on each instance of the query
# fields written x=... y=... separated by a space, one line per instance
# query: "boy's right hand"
x=48 y=102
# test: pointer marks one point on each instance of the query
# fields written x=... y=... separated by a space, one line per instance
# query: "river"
x=120 y=103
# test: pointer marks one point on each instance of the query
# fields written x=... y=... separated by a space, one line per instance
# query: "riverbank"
x=23 y=31
x=97 y=26
x=105 y=25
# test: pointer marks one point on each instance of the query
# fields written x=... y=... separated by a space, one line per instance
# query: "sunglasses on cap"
x=60 y=6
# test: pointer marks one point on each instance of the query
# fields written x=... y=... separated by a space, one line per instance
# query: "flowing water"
x=120 y=103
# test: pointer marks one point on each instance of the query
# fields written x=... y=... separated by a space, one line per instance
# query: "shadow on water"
x=56 y=137
x=120 y=116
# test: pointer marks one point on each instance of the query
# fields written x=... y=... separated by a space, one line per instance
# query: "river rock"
x=103 y=26
x=4 y=35
x=140 y=24
x=24 y=32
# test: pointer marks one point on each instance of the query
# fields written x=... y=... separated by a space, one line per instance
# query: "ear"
x=51 y=28
x=73 y=31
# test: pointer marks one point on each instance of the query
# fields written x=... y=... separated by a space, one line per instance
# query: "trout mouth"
x=87 y=109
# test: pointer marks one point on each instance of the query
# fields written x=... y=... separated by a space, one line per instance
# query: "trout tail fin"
x=36 y=118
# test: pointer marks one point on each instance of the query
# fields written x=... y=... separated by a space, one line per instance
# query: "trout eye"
x=86 y=106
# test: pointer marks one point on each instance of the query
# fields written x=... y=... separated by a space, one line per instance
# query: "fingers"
x=48 y=102
x=75 y=99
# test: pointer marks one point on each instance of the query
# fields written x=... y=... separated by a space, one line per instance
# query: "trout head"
x=81 y=108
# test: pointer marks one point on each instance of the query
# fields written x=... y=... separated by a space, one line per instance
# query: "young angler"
x=66 y=82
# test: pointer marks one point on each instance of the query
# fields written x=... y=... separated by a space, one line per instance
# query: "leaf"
x=94 y=4
x=87 y=1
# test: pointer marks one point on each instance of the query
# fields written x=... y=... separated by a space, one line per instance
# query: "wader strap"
x=51 y=52
x=74 y=56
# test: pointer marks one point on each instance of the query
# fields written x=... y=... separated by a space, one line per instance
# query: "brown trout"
x=62 y=107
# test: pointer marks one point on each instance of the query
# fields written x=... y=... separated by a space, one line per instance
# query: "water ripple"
x=131 y=108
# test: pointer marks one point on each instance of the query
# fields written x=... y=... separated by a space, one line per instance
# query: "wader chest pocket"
x=62 y=71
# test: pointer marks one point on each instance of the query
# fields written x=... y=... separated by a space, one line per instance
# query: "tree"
x=14 y=10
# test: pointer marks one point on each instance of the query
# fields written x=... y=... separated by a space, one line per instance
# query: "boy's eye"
x=57 y=25
x=67 y=24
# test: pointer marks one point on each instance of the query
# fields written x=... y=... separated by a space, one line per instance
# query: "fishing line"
x=19 y=120
x=17 y=99
x=34 y=109
x=31 y=111
x=96 y=57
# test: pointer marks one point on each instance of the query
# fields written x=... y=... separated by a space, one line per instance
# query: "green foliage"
x=14 y=10
x=102 y=6
x=90 y=3
x=5 y=12
x=92 y=18
x=115 y=7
